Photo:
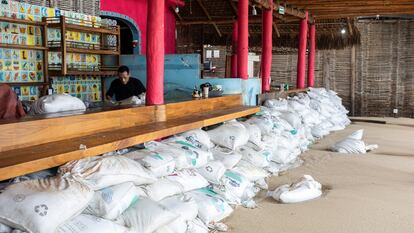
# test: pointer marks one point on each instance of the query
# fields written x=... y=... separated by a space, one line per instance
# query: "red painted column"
x=311 y=56
x=243 y=46
x=300 y=82
x=155 y=52
x=267 y=44
x=234 y=43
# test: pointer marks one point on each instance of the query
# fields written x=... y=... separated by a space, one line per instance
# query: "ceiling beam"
x=200 y=2
x=276 y=30
x=177 y=15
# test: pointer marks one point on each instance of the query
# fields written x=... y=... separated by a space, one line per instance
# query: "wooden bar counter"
x=41 y=142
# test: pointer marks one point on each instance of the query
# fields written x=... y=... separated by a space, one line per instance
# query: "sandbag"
x=256 y=156
x=277 y=104
x=211 y=207
x=57 y=103
x=90 y=224
x=146 y=216
x=264 y=123
x=199 y=135
x=198 y=156
x=101 y=172
x=159 y=164
x=5 y=228
x=189 y=179
x=304 y=189
x=212 y=171
x=231 y=135
x=251 y=172
x=41 y=206
x=228 y=157
x=255 y=134
x=196 y=226
x=163 y=188
x=233 y=187
x=112 y=201
x=181 y=158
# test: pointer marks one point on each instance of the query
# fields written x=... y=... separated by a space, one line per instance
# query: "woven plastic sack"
x=231 y=135
x=90 y=224
x=228 y=157
x=159 y=164
x=199 y=135
x=304 y=189
x=189 y=179
x=163 y=188
x=212 y=171
x=57 y=103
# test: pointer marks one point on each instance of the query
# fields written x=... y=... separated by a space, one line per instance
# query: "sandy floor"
x=371 y=193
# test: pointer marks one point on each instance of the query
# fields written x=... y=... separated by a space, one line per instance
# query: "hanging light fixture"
x=254 y=11
x=177 y=9
x=343 y=31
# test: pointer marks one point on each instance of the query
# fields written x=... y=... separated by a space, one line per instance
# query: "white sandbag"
x=304 y=189
x=163 y=188
x=196 y=155
x=146 y=216
x=212 y=171
x=293 y=119
x=211 y=207
x=283 y=155
x=36 y=175
x=251 y=172
x=350 y=146
x=357 y=134
x=57 y=103
x=264 y=123
x=176 y=226
x=228 y=157
x=231 y=135
x=196 y=226
x=183 y=205
x=277 y=104
x=90 y=224
x=101 y=172
x=199 y=135
x=255 y=134
x=259 y=158
x=112 y=201
x=182 y=159
x=41 y=206
x=233 y=187
x=134 y=100
x=190 y=179
x=5 y=228
x=159 y=164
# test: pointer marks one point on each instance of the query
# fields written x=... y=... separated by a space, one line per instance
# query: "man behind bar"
x=125 y=86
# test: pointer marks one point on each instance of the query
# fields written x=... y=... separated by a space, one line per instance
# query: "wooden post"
x=311 y=56
x=243 y=45
x=266 y=64
x=235 y=37
x=300 y=82
x=155 y=52
x=353 y=77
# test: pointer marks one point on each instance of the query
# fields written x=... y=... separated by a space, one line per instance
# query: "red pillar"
x=243 y=46
x=300 y=82
x=311 y=56
x=266 y=65
x=234 y=42
x=155 y=52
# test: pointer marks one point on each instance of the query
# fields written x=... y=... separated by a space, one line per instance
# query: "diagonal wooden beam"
x=351 y=31
x=200 y=2
x=276 y=30
x=233 y=7
x=177 y=15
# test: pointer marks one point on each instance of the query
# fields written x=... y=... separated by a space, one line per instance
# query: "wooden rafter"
x=177 y=15
x=276 y=29
x=200 y=2
x=233 y=7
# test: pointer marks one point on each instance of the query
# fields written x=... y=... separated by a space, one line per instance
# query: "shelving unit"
x=42 y=47
x=64 y=47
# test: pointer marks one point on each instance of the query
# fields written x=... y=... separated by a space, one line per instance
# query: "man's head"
x=123 y=74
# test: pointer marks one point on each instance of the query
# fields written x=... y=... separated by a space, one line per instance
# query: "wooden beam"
x=351 y=31
x=233 y=7
x=177 y=15
x=200 y=2
x=276 y=29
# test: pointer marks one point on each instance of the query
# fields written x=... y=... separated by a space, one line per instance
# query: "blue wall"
x=182 y=71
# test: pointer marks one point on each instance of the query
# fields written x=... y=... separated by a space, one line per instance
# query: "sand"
x=371 y=193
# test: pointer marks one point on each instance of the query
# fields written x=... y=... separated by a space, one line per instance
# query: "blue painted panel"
x=182 y=73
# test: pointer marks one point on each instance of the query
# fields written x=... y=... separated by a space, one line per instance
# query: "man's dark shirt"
x=134 y=87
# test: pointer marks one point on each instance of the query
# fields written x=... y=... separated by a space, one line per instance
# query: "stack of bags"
x=57 y=103
x=187 y=183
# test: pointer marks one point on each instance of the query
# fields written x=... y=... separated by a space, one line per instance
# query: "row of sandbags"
x=187 y=183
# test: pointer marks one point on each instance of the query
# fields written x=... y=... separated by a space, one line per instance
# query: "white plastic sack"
x=264 y=123
x=134 y=100
x=41 y=206
x=231 y=135
x=181 y=158
x=255 y=134
x=211 y=207
x=190 y=179
x=90 y=224
x=212 y=171
x=101 y=172
x=277 y=104
x=163 y=188
x=259 y=158
x=228 y=157
x=196 y=226
x=196 y=155
x=146 y=216
x=199 y=135
x=234 y=187
x=350 y=146
x=112 y=201
x=57 y=103
x=159 y=164
x=251 y=172
x=303 y=190
x=5 y=229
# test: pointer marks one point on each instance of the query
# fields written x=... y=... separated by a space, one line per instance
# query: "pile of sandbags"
x=187 y=183
x=57 y=103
